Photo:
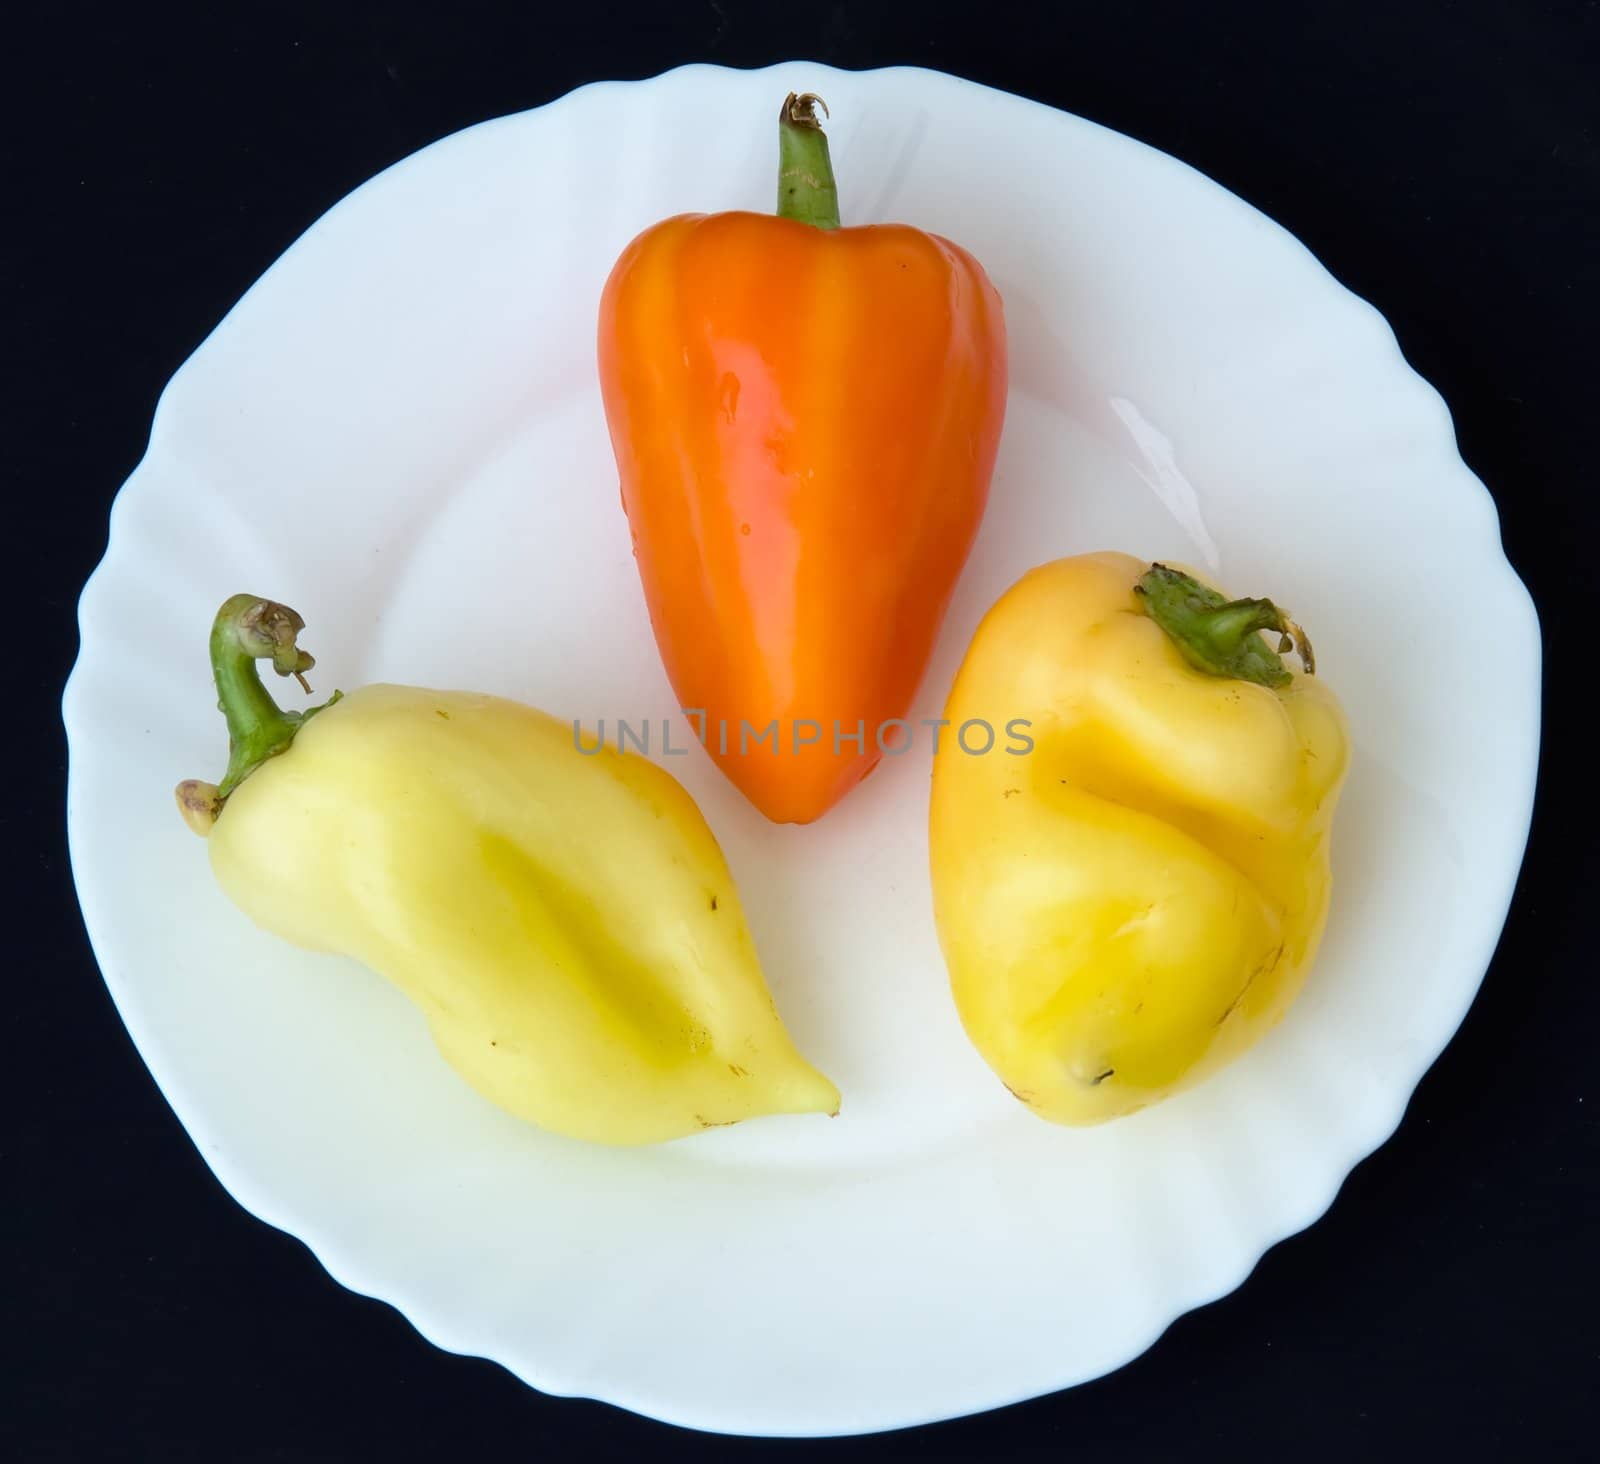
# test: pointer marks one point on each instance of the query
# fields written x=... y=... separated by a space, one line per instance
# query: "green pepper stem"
x=806 y=190
x=1222 y=637
x=249 y=629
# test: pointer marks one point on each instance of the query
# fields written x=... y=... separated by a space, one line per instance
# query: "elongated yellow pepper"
x=1132 y=903
x=564 y=919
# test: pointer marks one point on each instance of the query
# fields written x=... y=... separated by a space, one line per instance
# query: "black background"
x=1441 y=159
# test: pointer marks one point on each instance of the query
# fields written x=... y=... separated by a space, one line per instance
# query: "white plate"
x=398 y=431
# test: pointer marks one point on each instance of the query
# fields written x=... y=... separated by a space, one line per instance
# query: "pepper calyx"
x=1221 y=637
x=247 y=629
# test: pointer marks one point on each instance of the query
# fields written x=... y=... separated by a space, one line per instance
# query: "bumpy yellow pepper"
x=564 y=919
x=1132 y=903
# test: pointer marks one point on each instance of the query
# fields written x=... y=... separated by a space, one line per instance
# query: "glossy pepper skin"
x=564 y=920
x=805 y=420
x=1134 y=902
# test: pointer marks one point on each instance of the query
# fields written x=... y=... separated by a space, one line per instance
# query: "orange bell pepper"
x=805 y=420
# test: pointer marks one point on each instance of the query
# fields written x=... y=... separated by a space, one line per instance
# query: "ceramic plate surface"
x=399 y=432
